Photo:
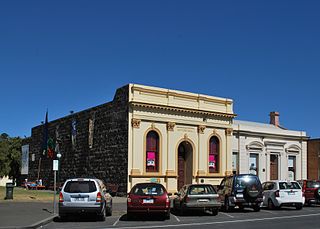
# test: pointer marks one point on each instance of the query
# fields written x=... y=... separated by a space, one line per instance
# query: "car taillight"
x=167 y=201
x=277 y=193
x=99 y=197
x=60 y=197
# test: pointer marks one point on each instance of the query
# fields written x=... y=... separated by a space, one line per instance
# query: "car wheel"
x=167 y=215
x=270 y=204
x=298 y=206
x=227 y=206
x=63 y=217
x=129 y=216
x=214 y=211
x=256 y=208
x=181 y=210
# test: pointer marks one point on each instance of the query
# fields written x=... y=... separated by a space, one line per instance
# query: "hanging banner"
x=25 y=159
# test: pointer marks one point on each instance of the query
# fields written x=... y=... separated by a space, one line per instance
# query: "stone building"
x=144 y=134
x=313 y=159
x=269 y=150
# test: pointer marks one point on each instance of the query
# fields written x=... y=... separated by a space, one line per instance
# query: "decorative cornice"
x=186 y=110
x=135 y=123
x=196 y=97
x=170 y=126
x=229 y=131
x=201 y=129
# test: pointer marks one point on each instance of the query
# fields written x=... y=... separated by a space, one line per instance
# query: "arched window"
x=152 y=154
x=214 y=154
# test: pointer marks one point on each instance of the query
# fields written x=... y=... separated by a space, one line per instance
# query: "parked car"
x=243 y=190
x=85 y=195
x=311 y=190
x=197 y=197
x=282 y=193
x=148 y=198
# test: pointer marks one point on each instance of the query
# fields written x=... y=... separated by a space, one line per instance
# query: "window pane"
x=152 y=154
x=213 y=155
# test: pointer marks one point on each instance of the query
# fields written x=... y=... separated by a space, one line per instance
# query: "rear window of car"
x=80 y=187
x=148 y=189
x=313 y=184
x=289 y=185
x=244 y=181
x=201 y=190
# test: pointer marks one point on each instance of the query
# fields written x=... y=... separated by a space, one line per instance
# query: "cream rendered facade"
x=178 y=118
x=258 y=144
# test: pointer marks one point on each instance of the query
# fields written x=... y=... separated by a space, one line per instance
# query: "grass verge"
x=22 y=195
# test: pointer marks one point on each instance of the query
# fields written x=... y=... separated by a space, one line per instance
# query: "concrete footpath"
x=35 y=214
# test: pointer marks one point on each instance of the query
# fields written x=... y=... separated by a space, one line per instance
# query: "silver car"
x=85 y=195
x=197 y=197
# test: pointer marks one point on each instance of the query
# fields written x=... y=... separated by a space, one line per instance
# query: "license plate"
x=291 y=193
x=79 y=199
x=147 y=201
x=203 y=200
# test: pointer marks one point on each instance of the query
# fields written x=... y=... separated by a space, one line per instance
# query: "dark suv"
x=243 y=190
x=311 y=191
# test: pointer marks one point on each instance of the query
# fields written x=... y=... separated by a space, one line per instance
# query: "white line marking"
x=223 y=213
x=268 y=211
x=115 y=223
x=176 y=218
x=222 y=222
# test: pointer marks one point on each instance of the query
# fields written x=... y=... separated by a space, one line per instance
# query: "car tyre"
x=181 y=210
x=167 y=215
x=270 y=204
x=214 y=211
x=102 y=217
x=298 y=206
x=256 y=208
x=227 y=206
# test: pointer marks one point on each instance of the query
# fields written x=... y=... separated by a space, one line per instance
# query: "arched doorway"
x=185 y=164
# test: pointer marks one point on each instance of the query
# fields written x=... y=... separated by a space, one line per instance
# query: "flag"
x=45 y=136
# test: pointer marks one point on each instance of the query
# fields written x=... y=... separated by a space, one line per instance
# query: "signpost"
x=55 y=169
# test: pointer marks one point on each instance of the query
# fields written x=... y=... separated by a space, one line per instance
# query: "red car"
x=311 y=190
x=148 y=198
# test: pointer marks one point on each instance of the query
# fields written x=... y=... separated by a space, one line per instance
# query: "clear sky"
x=72 y=55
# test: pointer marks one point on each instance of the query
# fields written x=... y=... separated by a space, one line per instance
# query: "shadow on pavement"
x=142 y=217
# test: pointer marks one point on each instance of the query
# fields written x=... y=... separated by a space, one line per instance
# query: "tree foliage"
x=10 y=156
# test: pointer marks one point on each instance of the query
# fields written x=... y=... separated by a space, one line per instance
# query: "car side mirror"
x=177 y=193
x=169 y=194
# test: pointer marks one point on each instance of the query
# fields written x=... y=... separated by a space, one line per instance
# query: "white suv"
x=282 y=193
x=85 y=195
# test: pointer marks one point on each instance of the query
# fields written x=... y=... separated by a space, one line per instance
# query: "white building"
x=269 y=150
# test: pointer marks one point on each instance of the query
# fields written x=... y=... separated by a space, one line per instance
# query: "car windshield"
x=289 y=185
x=148 y=189
x=80 y=187
x=201 y=190
x=313 y=184
x=244 y=181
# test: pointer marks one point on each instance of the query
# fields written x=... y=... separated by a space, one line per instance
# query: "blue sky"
x=72 y=55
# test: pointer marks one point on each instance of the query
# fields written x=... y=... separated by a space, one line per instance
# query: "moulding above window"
x=293 y=149
x=135 y=123
x=255 y=145
x=135 y=172
x=170 y=126
x=201 y=129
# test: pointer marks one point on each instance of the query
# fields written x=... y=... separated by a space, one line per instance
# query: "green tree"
x=10 y=156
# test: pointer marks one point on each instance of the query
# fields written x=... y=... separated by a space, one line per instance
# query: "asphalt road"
x=308 y=217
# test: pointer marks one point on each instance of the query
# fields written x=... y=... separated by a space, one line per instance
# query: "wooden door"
x=273 y=167
x=181 y=169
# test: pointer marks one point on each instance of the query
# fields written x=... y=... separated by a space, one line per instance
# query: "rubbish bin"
x=9 y=191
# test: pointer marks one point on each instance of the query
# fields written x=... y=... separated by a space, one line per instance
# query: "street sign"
x=55 y=165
